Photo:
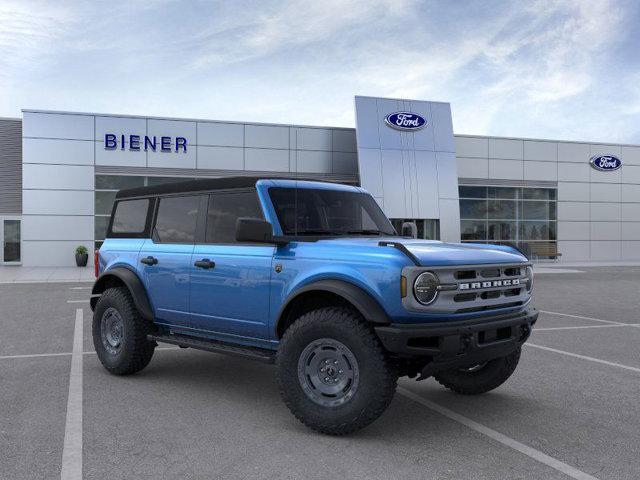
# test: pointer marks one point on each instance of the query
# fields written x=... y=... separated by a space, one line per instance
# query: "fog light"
x=425 y=288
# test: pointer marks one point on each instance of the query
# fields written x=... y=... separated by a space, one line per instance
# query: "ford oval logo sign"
x=405 y=121
x=605 y=163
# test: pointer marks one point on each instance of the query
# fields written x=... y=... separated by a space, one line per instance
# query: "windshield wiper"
x=317 y=232
x=366 y=232
x=338 y=232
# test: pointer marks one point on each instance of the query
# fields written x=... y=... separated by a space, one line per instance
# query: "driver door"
x=231 y=281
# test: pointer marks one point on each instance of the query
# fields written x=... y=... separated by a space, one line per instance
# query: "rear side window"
x=130 y=216
x=224 y=210
x=176 y=220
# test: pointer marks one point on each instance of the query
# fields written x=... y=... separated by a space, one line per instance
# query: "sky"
x=542 y=68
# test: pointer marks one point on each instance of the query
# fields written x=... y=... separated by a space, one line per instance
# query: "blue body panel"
x=232 y=299
x=242 y=297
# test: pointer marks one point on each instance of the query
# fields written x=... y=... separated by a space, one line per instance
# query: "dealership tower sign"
x=405 y=121
x=605 y=163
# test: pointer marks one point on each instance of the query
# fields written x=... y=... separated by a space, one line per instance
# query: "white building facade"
x=59 y=172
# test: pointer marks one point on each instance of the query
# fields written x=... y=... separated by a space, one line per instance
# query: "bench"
x=544 y=249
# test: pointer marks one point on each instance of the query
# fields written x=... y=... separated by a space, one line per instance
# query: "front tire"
x=120 y=333
x=482 y=378
x=333 y=372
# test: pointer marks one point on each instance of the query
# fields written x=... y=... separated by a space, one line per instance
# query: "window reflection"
x=520 y=216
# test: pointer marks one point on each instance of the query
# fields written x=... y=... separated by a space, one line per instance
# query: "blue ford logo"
x=405 y=121
x=605 y=163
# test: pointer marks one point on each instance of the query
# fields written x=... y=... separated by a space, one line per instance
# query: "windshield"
x=304 y=211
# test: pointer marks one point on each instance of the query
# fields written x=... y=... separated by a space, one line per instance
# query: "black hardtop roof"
x=202 y=185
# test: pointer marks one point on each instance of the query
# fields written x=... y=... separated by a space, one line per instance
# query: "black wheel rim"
x=328 y=372
x=111 y=330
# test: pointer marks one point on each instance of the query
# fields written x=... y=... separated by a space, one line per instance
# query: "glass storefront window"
x=504 y=231
x=100 y=227
x=118 y=182
x=501 y=209
x=539 y=193
x=104 y=202
x=428 y=229
x=520 y=216
x=11 y=241
x=476 y=209
x=473 y=230
x=152 y=181
x=537 y=231
x=538 y=210
x=502 y=192
x=472 y=192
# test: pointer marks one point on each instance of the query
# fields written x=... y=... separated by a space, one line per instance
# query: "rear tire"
x=120 y=333
x=333 y=372
x=480 y=379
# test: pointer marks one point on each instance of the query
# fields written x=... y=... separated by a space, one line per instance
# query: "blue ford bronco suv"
x=313 y=277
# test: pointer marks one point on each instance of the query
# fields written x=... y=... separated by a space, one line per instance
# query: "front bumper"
x=461 y=344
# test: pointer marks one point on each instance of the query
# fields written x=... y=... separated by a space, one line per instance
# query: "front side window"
x=130 y=216
x=304 y=211
x=176 y=220
x=225 y=209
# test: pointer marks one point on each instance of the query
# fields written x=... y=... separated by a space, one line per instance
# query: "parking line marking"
x=500 y=438
x=35 y=355
x=584 y=357
x=583 y=318
x=72 y=450
x=536 y=329
x=78 y=301
x=62 y=354
x=80 y=288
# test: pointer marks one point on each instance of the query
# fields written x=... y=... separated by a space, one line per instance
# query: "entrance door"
x=10 y=238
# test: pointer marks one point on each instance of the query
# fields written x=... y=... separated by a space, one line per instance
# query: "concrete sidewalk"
x=19 y=274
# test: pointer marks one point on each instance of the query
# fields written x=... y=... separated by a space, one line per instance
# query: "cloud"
x=28 y=30
x=539 y=68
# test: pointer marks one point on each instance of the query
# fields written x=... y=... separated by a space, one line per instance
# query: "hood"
x=431 y=253
x=435 y=253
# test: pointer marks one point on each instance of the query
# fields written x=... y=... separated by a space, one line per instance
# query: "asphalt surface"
x=192 y=414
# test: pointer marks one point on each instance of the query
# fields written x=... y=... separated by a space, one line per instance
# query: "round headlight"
x=425 y=288
x=529 y=278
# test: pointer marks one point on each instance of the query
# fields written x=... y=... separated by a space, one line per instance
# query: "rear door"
x=230 y=281
x=165 y=259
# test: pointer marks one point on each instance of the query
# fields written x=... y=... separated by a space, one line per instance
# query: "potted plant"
x=82 y=256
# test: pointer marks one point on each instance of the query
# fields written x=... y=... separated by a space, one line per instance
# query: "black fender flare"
x=366 y=305
x=133 y=284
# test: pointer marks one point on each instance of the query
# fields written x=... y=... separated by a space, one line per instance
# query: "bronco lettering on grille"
x=491 y=284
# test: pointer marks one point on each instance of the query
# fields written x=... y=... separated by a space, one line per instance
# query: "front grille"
x=472 y=288
x=492 y=287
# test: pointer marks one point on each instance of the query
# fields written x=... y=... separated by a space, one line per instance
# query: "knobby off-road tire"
x=120 y=333
x=481 y=380
x=334 y=345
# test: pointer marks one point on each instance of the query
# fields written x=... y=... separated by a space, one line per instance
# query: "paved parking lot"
x=571 y=410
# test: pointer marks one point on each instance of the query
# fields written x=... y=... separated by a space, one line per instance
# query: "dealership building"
x=557 y=200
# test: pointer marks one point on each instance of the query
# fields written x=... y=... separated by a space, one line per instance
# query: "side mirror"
x=253 y=230
x=409 y=229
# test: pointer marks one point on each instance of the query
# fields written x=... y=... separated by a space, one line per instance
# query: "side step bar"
x=253 y=353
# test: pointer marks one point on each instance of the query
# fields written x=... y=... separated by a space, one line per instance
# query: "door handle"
x=205 y=263
x=149 y=260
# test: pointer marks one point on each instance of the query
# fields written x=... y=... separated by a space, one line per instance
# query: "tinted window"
x=176 y=219
x=224 y=210
x=306 y=211
x=130 y=216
